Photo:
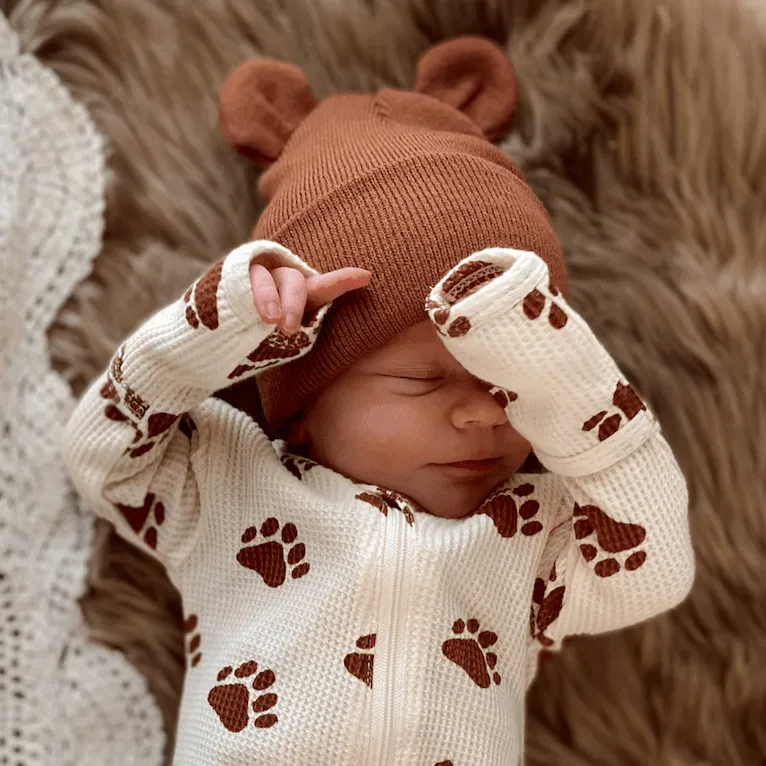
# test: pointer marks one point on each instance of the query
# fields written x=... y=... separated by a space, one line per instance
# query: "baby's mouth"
x=475 y=466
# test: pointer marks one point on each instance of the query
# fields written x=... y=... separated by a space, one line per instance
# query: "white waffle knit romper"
x=332 y=622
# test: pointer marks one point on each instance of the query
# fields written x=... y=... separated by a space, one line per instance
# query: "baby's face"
x=404 y=416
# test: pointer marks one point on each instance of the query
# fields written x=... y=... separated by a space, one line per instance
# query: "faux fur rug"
x=642 y=128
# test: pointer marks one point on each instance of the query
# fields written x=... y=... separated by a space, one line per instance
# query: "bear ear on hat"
x=260 y=105
x=472 y=75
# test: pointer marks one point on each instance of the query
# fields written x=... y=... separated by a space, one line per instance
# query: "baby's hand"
x=283 y=295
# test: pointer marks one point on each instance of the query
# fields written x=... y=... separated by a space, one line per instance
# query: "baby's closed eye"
x=415 y=382
x=416 y=373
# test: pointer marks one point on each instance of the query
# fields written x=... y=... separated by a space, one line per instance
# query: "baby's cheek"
x=389 y=431
x=381 y=424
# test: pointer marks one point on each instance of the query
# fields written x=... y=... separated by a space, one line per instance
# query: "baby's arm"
x=619 y=549
x=133 y=442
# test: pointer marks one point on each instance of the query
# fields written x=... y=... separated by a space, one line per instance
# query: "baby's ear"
x=260 y=105
x=474 y=76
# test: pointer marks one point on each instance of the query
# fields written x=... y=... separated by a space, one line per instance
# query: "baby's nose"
x=477 y=408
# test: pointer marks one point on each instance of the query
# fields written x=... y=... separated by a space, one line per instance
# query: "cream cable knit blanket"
x=63 y=699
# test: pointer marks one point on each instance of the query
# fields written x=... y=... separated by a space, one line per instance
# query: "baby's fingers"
x=324 y=288
x=265 y=294
x=292 y=297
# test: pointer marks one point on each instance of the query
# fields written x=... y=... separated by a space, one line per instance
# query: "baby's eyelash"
x=421 y=378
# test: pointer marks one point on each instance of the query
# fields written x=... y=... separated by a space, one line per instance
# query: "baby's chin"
x=456 y=499
x=430 y=488
x=457 y=505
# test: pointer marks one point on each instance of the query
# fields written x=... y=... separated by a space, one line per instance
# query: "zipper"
x=388 y=683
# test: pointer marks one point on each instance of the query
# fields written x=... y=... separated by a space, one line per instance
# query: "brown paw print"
x=611 y=536
x=383 y=499
x=157 y=424
x=627 y=401
x=457 y=328
x=204 y=309
x=503 y=396
x=445 y=763
x=298 y=466
x=276 y=348
x=501 y=507
x=231 y=701
x=138 y=515
x=462 y=282
x=130 y=408
x=470 y=652
x=360 y=664
x=534 y=305
x=193 y=641
x=268 y=558
x=546 y=607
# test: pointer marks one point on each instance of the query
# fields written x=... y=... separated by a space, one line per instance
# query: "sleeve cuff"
x=487 y=283
x=236 y=274
x=504 y=322
x=606 y=453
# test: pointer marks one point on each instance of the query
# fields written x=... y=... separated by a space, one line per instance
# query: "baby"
x=368 y=575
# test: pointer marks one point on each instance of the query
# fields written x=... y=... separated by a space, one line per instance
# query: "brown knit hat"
x=405 y=184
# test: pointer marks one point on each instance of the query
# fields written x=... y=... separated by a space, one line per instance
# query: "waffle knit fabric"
x=331 y=622
x=403 y=183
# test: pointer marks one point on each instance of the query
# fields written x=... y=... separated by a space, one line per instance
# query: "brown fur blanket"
x=642 y=128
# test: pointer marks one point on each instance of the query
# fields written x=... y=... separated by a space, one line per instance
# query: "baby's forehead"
x=417 y=345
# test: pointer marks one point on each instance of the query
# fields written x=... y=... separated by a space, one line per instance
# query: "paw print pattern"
x=471 y=652
x=611 y=537
x=152 y=512
x=298 y=466
x=445 y=763
x=535 y=303
x=505 y=507
x=457 y=328
x=464 y=281
x=130 y=408
x=627 y=401
x=201 y=299
x=546 y=607
x=133 y=402
x=469 y=278
x=193 y=641
x=383 y=499
x=268 y=558
x=503 y=396
x=231 y=701
x=278 y=347
x=361 y=664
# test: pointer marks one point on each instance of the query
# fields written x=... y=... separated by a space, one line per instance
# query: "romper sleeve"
x=619 y=549
x=132 y=441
